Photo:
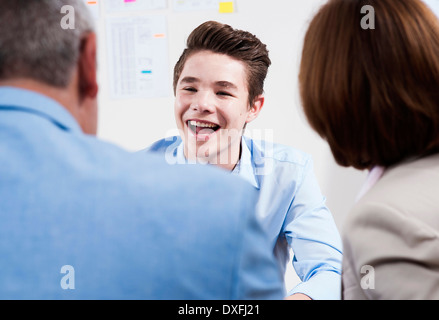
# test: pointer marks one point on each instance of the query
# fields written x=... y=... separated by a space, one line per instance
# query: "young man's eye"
x=190 y=89
x=223 y=93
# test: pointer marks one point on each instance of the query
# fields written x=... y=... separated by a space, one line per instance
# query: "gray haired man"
x=83 y=219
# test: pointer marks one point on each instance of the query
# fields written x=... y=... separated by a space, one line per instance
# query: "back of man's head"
x=34 y=43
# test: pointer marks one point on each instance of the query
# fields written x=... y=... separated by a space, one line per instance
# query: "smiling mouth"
x=205 y=128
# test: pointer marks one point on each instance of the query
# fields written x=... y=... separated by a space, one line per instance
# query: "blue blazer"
x=84 y=219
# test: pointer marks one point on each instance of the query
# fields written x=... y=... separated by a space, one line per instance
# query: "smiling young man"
x=70 y=202
x=212 y=131
x=218 y=84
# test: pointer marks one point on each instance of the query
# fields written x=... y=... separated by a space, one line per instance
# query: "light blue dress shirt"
x=84 y=219
x=292 y=209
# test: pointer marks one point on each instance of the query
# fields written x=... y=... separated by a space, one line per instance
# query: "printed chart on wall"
x=134 y=5
x=434 y=5
x=222 y=6
x=138 y=57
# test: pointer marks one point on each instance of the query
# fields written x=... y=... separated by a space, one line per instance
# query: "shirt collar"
x=372 y=178
x=180 y=154
x=245 y=168
x=33 y=102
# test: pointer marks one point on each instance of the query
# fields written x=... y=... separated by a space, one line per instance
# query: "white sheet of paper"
x=138 y=57
x=94 y=7
x=134 y=5
x=196 y=5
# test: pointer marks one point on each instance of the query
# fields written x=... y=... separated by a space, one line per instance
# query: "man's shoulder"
x=165 y=144
x=151 y=166
x=278 y=152
x=279 y=162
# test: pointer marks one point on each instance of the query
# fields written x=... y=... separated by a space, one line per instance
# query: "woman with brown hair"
x=373 y=95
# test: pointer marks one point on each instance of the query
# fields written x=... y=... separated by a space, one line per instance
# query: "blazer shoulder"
x=409 y=189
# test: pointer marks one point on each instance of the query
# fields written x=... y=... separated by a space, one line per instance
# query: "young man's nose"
x=204 y=102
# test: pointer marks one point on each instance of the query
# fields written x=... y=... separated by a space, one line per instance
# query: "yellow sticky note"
x=226 y=7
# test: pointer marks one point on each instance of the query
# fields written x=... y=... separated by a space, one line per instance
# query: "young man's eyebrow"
x=226 y=84
x=223 y=84
x=189 y=80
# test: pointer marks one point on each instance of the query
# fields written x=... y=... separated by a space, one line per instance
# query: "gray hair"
x=33 y=43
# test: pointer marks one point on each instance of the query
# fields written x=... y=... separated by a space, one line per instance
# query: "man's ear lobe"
x=87 y=67
x=256 y=108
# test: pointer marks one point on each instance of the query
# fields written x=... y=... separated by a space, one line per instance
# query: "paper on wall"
x=138 y=57
x=222 y=6
x=93 y=6
x=134 y=5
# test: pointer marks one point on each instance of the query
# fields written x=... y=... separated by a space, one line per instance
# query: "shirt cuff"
x=322 y=286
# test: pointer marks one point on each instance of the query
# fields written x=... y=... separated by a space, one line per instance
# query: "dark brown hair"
x=373 y=94
x=240 y=45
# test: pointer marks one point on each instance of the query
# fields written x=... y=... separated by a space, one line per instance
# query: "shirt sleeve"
x=315 y=241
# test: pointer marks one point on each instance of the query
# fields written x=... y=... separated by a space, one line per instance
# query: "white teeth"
x=202 y=124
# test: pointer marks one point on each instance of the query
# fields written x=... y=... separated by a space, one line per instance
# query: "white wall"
x=281 y=24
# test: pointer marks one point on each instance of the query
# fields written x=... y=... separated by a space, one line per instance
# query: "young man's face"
x=212 y=108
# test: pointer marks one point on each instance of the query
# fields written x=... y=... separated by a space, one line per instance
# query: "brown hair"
x=240 y=45
x=373 y=94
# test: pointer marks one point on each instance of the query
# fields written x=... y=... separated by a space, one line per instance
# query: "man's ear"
x=258 y=103
x=87 y=67
x=87 y=85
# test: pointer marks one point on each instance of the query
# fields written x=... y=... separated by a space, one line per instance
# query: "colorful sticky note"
x=226 y=7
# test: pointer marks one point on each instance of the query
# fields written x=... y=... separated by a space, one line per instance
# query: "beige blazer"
x=391 y=237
